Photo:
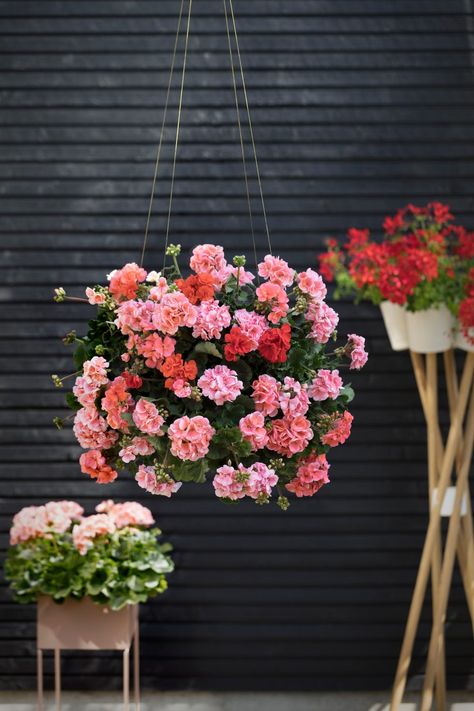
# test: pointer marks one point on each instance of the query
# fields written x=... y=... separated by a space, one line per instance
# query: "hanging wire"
x=163 y=123
x=244 y=88
x=242 y=147
x=178 y=126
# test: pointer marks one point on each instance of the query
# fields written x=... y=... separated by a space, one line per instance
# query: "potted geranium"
x=421 y=274
x=103 y=563
x=221 y=371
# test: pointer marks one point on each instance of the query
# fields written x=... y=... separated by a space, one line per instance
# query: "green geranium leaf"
x=208 y=348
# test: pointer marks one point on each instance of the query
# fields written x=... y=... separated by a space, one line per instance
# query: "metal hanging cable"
x=163 y=123
x=178 y=127
x=239 y=125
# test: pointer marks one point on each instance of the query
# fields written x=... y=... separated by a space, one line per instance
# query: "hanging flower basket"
x=223 y=372
x=421 y=273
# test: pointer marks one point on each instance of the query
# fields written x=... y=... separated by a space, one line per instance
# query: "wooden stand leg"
x=136 y=667
x=432 y=429
x=39 y=678
x=452 y=445
x=57 y=678
x=126 y=679
x=448 y=563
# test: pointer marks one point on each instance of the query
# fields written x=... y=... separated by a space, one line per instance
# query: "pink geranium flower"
x=95 y=371
x=326 y=384
x=95 y=298
x=155 y=349
x=252 y=427
x=311 y=475
x=138 y=446
x=124 y=282
x=94 y=463
x=289 y=436
x=220 y=384
x=163 y=485
x=130 y=513
x=324 y=319
x=275 y=298
x=356 y=347
x=190 y=437
x=311 y=283
x=294 y=399
x=147 y=418
x=255 y=481
x=212 y=318
x=91 y=430
x=208 y=258
x=266 y=395
x=339 y=431
x=83 y=533
x=276 y=270
x=173 y=312
x=251 y=324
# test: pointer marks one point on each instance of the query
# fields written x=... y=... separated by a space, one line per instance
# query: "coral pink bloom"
x=324 y=319
x=163 y=485
x=155 y=349
x=94 y=463
x=83 y=534
x=95 y=298
x=229 y=483
x=251 y=324
x=138 y=446
x=159 y=290
x=147 y=418
x=95 y=371
x=290 y=435
x=275 y=298
x=261 y=480
x=356 y=346
x=220 y=384
x=208 y=258
x=116 y=402
x=190 y=437
x=326 y=384
x=181 y=388
x=266 y=395
x=252 y=427
x=29 y=522
x=294 y=399
x=244 y=276
x=212 y=318
x=276 y=270
x=311 y=283
x=255 y=481
x=85 y=392
x=135 y=316
x=311 y=475
x=124 y=282
x=130 y=513
x=173 y=312
x=91 y=430
x=340 y=430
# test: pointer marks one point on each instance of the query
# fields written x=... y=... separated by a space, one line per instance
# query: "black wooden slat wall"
x=359 y=106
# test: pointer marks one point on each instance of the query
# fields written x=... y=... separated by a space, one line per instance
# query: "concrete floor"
x=204 y=701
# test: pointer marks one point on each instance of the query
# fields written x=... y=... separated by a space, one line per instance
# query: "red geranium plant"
x=424 y=260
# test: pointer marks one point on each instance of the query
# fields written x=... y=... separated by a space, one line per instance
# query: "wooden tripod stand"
x=442 y=459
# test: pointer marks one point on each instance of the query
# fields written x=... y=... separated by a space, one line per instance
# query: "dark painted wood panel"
x=358 y=107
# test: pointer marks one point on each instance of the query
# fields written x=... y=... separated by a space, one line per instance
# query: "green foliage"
x=128 y=566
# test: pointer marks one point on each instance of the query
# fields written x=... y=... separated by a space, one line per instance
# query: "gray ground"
x=203 y=701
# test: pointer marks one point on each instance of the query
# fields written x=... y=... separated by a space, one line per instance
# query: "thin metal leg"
x=126 y=679
x=39 y=678
x=57 y=678
x=136 y=667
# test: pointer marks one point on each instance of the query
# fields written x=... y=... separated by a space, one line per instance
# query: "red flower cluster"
x=275 y=344
x=175 y=368
x=421 y=252
x=237 y=343
x=197 y=287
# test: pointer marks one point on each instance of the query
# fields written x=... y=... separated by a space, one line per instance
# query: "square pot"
x=82 y=624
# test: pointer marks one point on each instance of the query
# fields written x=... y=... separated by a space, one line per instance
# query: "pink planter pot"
x=81 y=624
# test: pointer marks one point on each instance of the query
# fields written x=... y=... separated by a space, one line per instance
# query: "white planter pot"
x=460 y=341
x=430 y=331
x=394 y=317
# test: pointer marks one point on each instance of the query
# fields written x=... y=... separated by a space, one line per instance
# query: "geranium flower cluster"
x=112 y=556
x=424 y=260
x=223 y=370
